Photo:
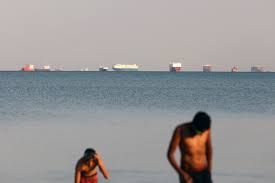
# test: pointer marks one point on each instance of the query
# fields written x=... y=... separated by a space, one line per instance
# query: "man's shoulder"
x=183 y=126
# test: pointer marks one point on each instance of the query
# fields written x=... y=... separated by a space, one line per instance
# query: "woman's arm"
x=77 y=174
x=102 y=167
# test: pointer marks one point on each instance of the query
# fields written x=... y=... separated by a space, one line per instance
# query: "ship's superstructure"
x=175 y=67
x=207 y=68
x=257 y=69
x=125 y=67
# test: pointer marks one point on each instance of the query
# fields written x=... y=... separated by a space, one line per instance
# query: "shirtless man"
x=85 y=170
x=194 y=142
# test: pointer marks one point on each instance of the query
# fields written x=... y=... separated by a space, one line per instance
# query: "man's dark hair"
x=89 y=154
x=202 y=121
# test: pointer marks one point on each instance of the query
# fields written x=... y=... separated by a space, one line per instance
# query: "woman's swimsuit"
x=89 y=178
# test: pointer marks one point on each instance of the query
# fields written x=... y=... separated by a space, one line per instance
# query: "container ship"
x=28 y=68
x=207 y=68
x=257 y=69
x=174 y=67
x=125 y=67
x=102 y=68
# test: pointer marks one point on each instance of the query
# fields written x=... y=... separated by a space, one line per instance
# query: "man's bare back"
x=193 y=148
x=196 y=152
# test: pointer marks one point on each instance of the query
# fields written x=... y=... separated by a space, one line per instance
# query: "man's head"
x=89 y=154
x=201 y=122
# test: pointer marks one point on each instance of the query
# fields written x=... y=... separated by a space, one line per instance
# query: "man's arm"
x=77 y=174
x=175 y=141
x=102 y=167
x=209 y=151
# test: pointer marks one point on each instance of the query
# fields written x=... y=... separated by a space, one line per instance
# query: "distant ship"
x=175 y=67
x=28 y=68
x=45 y=68
x=234 y=69
x=102 y=68
x=207 y=68
x=84 y=69
x=257 y=69
x=125 y=67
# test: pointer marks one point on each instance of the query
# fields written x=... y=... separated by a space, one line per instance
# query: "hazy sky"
x=88 y=33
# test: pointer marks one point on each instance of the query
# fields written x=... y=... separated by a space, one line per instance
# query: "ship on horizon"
x=257 y=69
x=31 y=68
x=103 y=68
x=28 y=68
x=234 y=69
x=207 y=68
x=84 y=69
x=175 y=66
x=125 y=67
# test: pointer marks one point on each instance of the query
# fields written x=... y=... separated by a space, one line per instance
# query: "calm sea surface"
x=47 y=119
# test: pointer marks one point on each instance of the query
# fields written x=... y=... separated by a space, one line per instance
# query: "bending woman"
x=86 y=167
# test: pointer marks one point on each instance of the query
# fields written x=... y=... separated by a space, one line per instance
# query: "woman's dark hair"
x=89 y=154
x=202 y=121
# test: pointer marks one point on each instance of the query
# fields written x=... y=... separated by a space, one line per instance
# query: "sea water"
x=47 y=119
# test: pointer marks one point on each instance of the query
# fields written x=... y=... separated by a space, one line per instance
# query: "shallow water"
x=48 y=119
